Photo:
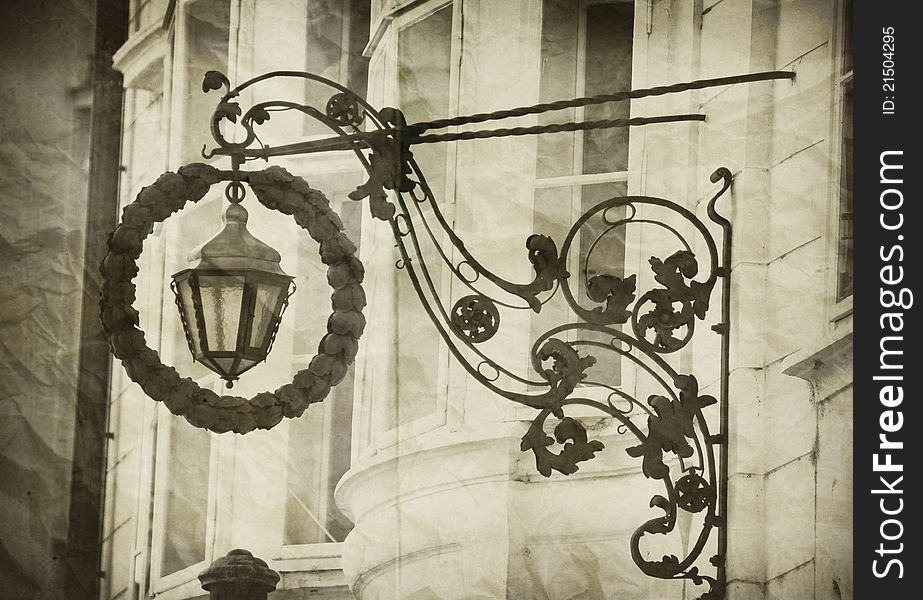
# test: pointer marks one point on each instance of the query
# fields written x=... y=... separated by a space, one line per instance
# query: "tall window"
x=184 y=466
x=206 y=30
x=844 y=283
x=187 y=497
x=318 y=456
x=424 y=67
x=336 y=34
x=586 y=50
x=319 y=441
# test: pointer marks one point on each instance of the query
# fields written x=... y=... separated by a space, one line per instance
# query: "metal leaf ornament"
x=616 y=292
x=214 y=80
x=577 y=447
x=669 y=428
x=388 y=167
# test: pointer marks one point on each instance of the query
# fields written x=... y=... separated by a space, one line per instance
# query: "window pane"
x=339 y=442
x=845 y=254
x=585 y=52
x=267 y=297
x=303 y=490
x=319 y=442
x=319 y=445
x=602 y=252
x=608 y=69
x=560 y=25
x=336 y=35
x=187 y=496
x=598 y=250
x=224 y=364
x=207 y=32
x=324 y=38
x=417 y=349
x=602 y=247
x=221 y=303
x=424 y=65
x=554 y=212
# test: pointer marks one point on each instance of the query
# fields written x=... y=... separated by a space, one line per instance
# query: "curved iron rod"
x=415 y=281
x=521 y=290
x=239 y=149
x=631 y=200
x=412 y=232
x=428 y=198
x=621 y=222
x=623 y=337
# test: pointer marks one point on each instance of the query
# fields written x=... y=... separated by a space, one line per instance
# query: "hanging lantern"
x=231 y=301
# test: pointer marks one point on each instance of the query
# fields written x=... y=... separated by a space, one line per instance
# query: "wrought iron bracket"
x=639 y=319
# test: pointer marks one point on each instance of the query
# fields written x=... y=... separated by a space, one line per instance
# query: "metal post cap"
x=238 y=572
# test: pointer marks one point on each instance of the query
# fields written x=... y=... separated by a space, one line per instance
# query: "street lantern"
x=231 y=301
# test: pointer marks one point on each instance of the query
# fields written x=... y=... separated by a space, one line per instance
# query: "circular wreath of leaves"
x=276 y=189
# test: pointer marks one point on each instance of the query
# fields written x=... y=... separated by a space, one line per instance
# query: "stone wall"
x=45 y=65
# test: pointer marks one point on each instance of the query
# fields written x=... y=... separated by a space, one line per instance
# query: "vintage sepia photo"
x=426 y=299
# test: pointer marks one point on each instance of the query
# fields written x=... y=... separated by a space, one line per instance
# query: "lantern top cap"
x=234 y=247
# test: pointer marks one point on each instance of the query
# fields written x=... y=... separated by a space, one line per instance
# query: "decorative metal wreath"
x=276 y=189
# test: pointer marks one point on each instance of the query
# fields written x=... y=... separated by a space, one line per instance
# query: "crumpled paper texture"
x=44 y=124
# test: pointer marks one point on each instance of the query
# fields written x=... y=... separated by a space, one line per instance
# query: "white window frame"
x=183 y=583
x=575 y=182
x=179 y=584
x=342 y=68
x=839 y=311
x=383 y=437
x=333 y=547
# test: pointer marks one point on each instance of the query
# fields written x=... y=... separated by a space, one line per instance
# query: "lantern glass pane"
x=187 y=306
x=222 y=296
x=245 y=364
x=267 y=298
x=224 y=364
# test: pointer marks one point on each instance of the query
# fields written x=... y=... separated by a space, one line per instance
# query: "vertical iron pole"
x=724 y=394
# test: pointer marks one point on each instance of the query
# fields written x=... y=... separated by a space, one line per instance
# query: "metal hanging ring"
x=235 y=192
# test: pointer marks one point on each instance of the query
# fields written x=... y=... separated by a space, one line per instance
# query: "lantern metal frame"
x=233 y=253
x=243 y=350
x=682 y=433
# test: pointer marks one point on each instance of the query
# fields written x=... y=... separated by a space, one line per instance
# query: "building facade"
x=408 y=481
x=59 y=157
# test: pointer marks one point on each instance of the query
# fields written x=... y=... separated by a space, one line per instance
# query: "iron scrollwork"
x=645 y=316
x=476 y=318
x=637 y=318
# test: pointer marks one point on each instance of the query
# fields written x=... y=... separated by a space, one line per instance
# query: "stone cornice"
x=141 y=58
